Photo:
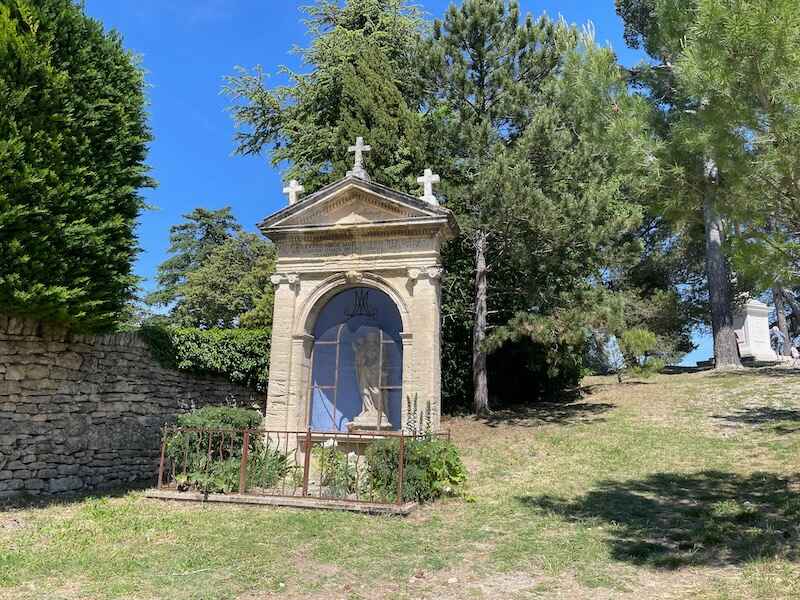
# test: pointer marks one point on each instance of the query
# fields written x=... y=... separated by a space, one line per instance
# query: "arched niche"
x=356 y=362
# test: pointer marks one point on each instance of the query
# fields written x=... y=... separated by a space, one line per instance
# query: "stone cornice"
x=397 y=229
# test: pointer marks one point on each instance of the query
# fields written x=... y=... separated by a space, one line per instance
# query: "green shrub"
x=636 y=346
x=241 y=355
x=218 y=471
x=190 y=449
x=432 y=469
x=266 y=466
x=221 y=417
x=211 y=476
x=337 y=471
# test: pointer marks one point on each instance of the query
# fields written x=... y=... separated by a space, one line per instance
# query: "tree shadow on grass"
x=549 y=413
x=671 y=520
x=782 y=421
x=771 y=372
x=24 y=501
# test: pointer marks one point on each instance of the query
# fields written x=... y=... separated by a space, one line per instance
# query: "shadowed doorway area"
x=357 y=363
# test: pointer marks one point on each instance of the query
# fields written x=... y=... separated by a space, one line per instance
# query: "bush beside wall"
x=240 y=355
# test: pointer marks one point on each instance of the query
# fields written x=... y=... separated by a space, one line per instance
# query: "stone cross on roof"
x=427 y=181
x=293 y=190
x=358 y=168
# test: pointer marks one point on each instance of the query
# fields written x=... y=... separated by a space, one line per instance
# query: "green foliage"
x=724 y=88
x=220 y=417
x=432 y=469
x=548 y=159
x=636 y=346
x=73 y=140
x=576 y=183
x=231 y=287
x=268 y=465
x=743 y=60
x=190 y=244
x=631 y=352
x=218 y=275
x=337 y=471
x=241 y=355
x=636 y=343
x=361 y=82
x=210 y=460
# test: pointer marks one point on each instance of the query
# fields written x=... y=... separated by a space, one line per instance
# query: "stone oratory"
x=356 y=327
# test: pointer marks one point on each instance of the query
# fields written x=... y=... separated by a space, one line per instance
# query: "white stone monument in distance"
x=751 y=323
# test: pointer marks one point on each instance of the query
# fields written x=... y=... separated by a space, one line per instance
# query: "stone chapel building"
x=356 y=326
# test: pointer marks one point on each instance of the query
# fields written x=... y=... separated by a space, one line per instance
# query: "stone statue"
x=367 y=351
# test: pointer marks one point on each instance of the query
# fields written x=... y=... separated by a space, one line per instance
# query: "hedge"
x=241 y=355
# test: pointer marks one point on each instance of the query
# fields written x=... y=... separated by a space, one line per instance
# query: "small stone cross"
x=358 y=166
x=427 y=181
x=293 y=190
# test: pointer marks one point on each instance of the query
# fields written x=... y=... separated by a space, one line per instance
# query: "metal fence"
x=366 y=467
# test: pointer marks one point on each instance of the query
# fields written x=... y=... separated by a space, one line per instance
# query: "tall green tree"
x=191 y=243
x=218 y=276
x=73 y=141
x=231 y=287
x=700 y=155
x=743 y=59
x=485 y=64
x=575 y=186
x=362 y=82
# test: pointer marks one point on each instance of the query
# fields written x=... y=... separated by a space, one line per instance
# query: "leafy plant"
x=267 y=466
x=337 y=470
x=636 y=346
x=432 y=469
x=209 y=460
x=220 y=417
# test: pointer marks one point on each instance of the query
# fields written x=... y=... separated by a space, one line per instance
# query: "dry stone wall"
x=82 y=412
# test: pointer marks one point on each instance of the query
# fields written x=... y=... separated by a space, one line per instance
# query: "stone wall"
x=84 y=412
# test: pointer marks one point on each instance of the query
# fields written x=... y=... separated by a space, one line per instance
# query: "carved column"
x=279 y=398
x=424 y=287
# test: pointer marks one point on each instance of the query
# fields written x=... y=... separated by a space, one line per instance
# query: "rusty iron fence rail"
x=359 y=467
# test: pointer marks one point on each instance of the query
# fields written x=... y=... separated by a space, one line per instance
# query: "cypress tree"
x=73 y=140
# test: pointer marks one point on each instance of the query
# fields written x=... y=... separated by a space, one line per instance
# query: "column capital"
x=290 y=279
x=417 y=273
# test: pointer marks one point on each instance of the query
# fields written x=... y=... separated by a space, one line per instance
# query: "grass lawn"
x=685 y=486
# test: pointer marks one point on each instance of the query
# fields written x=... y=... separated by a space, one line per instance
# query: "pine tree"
x=231 y=287
x=701 y=179
x=191 y=243
x=743 y=59
x=362 y=82
x=484 y=64
x=574 y=187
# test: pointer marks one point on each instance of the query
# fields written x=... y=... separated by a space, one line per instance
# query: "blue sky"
x=188 y=47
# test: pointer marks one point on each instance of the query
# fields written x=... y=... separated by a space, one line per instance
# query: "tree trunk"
x=795 y=306
x=480 y=384
x=726 y=351
x=780 y=311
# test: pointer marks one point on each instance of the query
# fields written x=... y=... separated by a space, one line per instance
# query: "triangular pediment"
x=354 y=202
x=352 y=207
